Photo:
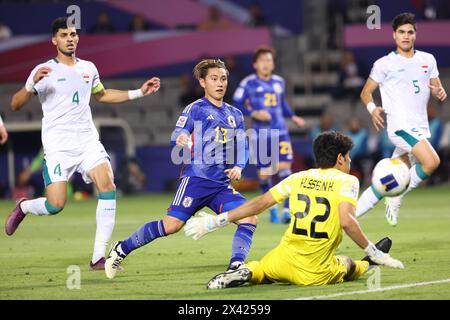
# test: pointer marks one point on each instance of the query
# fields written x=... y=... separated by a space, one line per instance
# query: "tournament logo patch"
x=181 y=121
x=231 y=121
x=187 y=202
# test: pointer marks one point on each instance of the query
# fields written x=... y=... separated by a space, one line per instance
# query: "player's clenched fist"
x=40 y=73
x=377 y=119
x=182 y=140
x=234 y=173
x=151 y=86
x=438 y=92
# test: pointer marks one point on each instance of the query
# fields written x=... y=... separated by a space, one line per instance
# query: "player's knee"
x=351 y=267
x=55 y=206
x=172 y=226
x=431 y=165
x=251 y=220
x=435 y=162
x=107 y=186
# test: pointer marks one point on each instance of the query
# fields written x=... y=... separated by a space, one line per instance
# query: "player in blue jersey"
x=262 y=97
x=213 y=133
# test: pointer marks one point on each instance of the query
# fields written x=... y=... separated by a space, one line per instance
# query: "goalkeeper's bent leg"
x=258 y=276
x=360 y=267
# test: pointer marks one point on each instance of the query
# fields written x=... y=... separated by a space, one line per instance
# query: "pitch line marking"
x=402 y=286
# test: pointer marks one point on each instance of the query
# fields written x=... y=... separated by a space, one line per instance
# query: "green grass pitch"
x=34 y=262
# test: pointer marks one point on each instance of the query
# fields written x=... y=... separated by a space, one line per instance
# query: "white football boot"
x=115 y=258
x=392 y=209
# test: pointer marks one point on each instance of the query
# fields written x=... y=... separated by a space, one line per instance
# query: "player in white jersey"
x=71 y=142
x=406 y=78
x=3 y=132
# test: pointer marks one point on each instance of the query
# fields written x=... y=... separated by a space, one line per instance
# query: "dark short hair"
x=201 y=69
x=262 y=50
x=328 y=145
x=59 y=23
x=403 y=18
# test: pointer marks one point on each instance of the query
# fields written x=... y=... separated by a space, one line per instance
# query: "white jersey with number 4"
x=67 y=123
x=404 y=89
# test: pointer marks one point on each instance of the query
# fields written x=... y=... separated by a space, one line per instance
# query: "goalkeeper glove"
x=197 y=227
x=381 y=258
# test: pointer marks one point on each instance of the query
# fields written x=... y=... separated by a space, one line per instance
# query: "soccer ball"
x=390 y=177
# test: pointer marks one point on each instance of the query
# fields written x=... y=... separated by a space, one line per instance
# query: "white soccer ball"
x=390 y=177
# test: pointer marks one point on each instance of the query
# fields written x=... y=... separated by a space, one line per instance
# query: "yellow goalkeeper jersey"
x=315 y=231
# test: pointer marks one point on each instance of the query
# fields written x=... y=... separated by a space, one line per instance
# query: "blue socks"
x=147 y=233
x=242 y=241
x=265 y=185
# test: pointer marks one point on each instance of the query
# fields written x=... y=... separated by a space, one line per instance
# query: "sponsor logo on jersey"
x=260 y=89
x=61 y=79
x=210 y=117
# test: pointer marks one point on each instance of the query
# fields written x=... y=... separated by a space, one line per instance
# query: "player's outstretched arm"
x=197 y=227
x=119 y=96
x=21 y=97
x=353 y=230
x=367 y=100
x=351 y=225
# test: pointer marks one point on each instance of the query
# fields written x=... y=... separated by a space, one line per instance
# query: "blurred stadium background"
x=324 y=51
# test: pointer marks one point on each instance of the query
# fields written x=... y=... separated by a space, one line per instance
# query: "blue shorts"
x=263 y=154
x=194 y=193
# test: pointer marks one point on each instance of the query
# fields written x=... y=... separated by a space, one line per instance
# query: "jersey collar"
x=57 y=61
x=212 y=104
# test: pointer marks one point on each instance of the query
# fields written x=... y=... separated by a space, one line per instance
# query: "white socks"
x=367 y=201
x=417 y=176
x=105 y=216
x=35 y=207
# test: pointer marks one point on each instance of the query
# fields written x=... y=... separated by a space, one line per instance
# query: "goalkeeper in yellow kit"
x=322 y=203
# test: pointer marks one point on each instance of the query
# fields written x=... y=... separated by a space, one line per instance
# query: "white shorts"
x=404 y=140
x=60 y=166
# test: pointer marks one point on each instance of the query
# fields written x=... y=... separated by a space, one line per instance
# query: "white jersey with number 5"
x=404 y=89
x=67 y=123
